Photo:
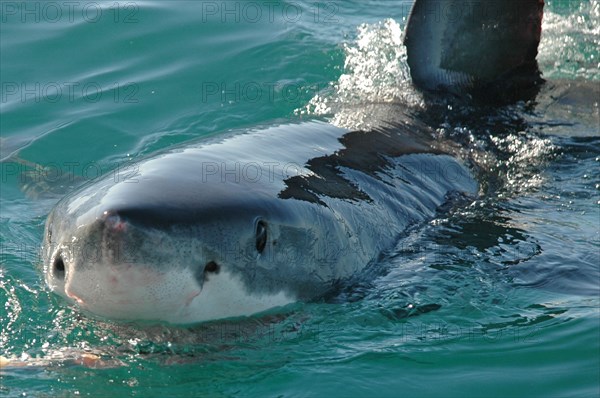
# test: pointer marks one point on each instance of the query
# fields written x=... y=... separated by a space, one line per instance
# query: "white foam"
x=569 y=44
x=375 y=73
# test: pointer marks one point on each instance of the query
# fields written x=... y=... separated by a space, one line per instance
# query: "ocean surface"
x=499 y=297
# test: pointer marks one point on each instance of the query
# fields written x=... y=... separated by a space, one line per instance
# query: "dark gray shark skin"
x=485 y=48
x=240 y=224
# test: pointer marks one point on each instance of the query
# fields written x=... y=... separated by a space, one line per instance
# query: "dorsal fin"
x=462 y=46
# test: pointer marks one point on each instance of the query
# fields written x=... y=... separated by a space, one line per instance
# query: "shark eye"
x=261 y=236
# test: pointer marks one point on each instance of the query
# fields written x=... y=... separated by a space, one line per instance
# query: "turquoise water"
x=499 y=298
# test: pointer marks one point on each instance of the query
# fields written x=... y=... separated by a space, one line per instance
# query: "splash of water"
x=570 y=40
x=375 y=82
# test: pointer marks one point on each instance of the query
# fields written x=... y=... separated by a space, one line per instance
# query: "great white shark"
x=243 y=222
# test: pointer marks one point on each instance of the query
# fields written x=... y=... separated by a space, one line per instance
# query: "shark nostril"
x=211 y=268
x=58 y=268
